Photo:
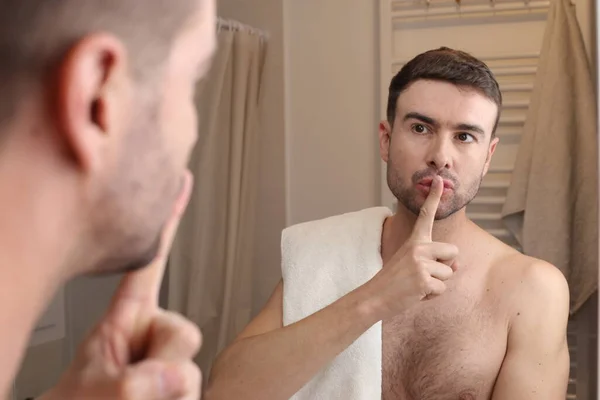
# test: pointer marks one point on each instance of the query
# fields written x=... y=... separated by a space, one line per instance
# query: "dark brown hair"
x=36 y=34
x=447 y=65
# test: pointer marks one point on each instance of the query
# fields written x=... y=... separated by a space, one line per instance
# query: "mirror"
x=289 y=166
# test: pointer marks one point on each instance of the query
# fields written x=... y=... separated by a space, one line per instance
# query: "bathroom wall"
x=331 y=107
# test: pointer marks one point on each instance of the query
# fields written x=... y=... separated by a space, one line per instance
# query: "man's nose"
x=439 y=156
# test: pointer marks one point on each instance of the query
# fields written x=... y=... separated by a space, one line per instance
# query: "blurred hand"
x=138 y=351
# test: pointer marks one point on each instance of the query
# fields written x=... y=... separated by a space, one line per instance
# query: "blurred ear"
x=385 y=136
x=94 y=90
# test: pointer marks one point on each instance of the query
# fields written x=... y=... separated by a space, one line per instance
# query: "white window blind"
x=507 y=36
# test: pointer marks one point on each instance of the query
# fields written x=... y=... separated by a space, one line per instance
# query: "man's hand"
x=138 y=351
x=419 y=268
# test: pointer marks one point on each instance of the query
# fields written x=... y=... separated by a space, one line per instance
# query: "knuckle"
x=196 y=374
x=424 y=283
x=454 y=249
x=415 y=258
x=425 y=291
x=415 y=252
x=186 y=331
x=441 y=288
x=193 y=338
x=193 y=376
x=424 y=211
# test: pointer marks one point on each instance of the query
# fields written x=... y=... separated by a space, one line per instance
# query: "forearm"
x=275 y=365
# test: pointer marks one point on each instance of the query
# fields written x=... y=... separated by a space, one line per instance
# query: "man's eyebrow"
x=470 y=128
x=420 y=117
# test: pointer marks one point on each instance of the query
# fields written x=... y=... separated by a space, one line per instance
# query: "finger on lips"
x=424 y=225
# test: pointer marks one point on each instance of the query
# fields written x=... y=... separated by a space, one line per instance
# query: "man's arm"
x=536 y=365
x=273 y=362
x=269 y=361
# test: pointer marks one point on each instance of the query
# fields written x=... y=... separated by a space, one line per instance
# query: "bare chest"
x=449 y=348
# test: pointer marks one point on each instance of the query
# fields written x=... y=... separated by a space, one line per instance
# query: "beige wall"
x=331 y=100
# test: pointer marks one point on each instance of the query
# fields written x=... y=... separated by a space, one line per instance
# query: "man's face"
x=156 y=144
x=439 y=129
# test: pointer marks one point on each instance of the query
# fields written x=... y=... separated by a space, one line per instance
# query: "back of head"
x=36 y=34
x=107 y=86
x=446 y=65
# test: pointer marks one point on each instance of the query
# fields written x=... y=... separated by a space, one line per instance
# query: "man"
x=464 y=316
x=97 y=123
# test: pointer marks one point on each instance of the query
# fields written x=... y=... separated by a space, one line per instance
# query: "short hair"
x=446 y=65
x=35 y=35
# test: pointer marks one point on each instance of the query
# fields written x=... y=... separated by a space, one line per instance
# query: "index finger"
x=424 y=226
x=146 y=281
x=139 y=289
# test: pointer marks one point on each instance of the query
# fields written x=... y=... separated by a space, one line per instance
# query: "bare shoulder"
x=526 y=280
x=537 y=279
x=536 y=288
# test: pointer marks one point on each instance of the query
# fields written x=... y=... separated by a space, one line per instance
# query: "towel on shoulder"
x=322 y=261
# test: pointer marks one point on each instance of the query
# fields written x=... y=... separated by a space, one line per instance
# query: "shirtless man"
x=97 y=122
x=464 y=315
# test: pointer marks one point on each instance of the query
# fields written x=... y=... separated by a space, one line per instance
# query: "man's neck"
x=35 y=238
x=399 y=227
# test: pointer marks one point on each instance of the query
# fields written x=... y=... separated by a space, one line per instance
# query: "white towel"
x=322 y=261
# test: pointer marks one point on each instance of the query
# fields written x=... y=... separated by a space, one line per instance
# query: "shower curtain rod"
x=237 y=26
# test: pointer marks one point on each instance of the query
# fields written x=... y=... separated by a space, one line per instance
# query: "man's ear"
x=385 y=137
x=93 y=88
x=491 y=151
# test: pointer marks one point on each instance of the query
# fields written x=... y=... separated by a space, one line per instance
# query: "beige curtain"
x=210 y=268
x=552 y=203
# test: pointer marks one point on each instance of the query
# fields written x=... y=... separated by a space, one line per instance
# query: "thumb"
x=155 y=380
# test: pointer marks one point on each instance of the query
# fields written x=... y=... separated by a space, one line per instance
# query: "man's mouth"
x=426 y=183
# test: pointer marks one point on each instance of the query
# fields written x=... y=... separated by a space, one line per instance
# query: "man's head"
x=102 y=93
x=443 y=110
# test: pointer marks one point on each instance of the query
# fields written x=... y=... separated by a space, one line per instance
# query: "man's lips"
x=448 y=185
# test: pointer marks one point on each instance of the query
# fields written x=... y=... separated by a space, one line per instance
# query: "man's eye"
x=465 y=137
x=418 y=128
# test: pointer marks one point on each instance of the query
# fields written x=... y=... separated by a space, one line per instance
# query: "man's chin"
x=144 y=259
x=123 y=264
x=442 y=213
